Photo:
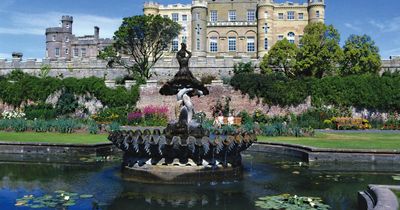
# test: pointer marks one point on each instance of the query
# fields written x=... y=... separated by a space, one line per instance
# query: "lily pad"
x=397 y=177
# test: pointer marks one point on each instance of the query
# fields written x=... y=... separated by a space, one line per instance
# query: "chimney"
x=96 y=32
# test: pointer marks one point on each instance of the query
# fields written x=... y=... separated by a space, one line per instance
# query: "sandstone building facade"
x=61 y=43
x=238 y=28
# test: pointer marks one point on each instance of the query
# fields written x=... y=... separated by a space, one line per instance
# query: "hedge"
x=18 y=87
x=360 y=91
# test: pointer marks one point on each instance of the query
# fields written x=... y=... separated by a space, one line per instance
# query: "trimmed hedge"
x=360 y=91
x=18 y=87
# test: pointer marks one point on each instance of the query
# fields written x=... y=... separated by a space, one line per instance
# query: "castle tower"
x=199 y=28
x=316 y=11
x=151 y=8
x=265 y=15
x=66 y=22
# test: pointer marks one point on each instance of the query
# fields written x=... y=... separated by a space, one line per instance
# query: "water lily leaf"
x=86 y=196
x=397 y=177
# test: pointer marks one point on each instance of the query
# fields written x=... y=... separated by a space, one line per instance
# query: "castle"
x=62 y=44
x=238 y=28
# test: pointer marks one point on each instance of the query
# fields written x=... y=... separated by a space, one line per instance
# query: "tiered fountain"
x=183 y=152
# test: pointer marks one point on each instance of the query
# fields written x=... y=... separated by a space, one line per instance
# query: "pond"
x=263 y=175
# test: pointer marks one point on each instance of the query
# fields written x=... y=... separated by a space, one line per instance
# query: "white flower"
x=66 y=197
x=309 y=199
x=312 y=204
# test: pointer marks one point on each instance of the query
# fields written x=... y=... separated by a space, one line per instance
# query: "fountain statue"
x=184 y=151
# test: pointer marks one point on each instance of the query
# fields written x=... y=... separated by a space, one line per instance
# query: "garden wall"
x=149 y=96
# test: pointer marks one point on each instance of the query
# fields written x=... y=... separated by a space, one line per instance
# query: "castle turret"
x=199 y=28
x=66 y=22
x=316 y=11
x=96 y=32
x=151 y=8
x=265 y=21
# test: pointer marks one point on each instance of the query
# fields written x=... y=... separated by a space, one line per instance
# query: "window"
x=265 y=14
x=175 y=45
x=57 y=52
x=213 y=44
x=232 y=44
x=266 y=28
x=175 y=17
x=232 y=15
x=165 y=16
x=280 y=37
x=67 y=25
x=198 y=44
x=197 y=16
x=184 y=28
x=301 y=16
x=83 y=52
x=54 y=38
x=184 y=18
x=251 y=15
x=266 y=43
x=67 y=51
x=291 y=37
x=66 y=39
x=290 y=15
x=76 y=52
x=213 y=16
x=184 y=39
x=280 y=16
x=251 y=47
x=317 y=14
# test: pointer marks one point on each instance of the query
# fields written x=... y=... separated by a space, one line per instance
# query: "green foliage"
x=67 y=103
x=281 y=58
x=41 y=125
x=361 y=56
x=114 y=126
x=59 y=199
x=286 y=201
x=240 y=68
x=109 y=115
x=207 y=79
x=320 y=51
x=26 y=87
x=144 y=38
x=228 y=129
x=18 y=125
x=93 y=127
x=66 y=125
x=360 y=91
x=40 y=111
x=44 y=70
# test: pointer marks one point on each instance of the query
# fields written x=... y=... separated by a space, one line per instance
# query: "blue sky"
x=23 y=22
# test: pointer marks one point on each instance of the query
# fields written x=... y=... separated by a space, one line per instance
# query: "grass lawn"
x=74 y=138
x=378 y=141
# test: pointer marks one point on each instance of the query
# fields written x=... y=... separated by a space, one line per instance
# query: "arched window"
x=291 y=37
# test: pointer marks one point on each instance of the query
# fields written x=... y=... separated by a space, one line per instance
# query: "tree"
x=143 y=39
x=320 y=52
x=361 y=55
x=281 y=58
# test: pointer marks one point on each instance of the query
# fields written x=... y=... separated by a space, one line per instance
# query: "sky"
x=23 y=22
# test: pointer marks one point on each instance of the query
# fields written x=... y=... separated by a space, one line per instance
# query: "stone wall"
x=149 y=96
x=164 y=69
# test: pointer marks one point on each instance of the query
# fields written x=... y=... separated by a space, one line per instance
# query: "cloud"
x=353 y=27
x=387 y=26
x=36 y=24
x=5 y=55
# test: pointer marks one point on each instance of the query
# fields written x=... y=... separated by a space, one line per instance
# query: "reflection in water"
x=264 y=175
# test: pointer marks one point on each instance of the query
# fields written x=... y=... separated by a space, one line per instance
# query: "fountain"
x=183 y=152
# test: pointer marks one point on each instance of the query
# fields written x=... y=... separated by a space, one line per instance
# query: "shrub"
x=19 y=125
x=5 y=124
x=41 y=125
x=26 y=87
x=207 y=79
x=360 y=91
x=109 y=115
x=40 y=111
x=66 y=125
x=114 y=126
x=93 y=127
x=240 y=68
x=135 y=118
x=67 y=103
